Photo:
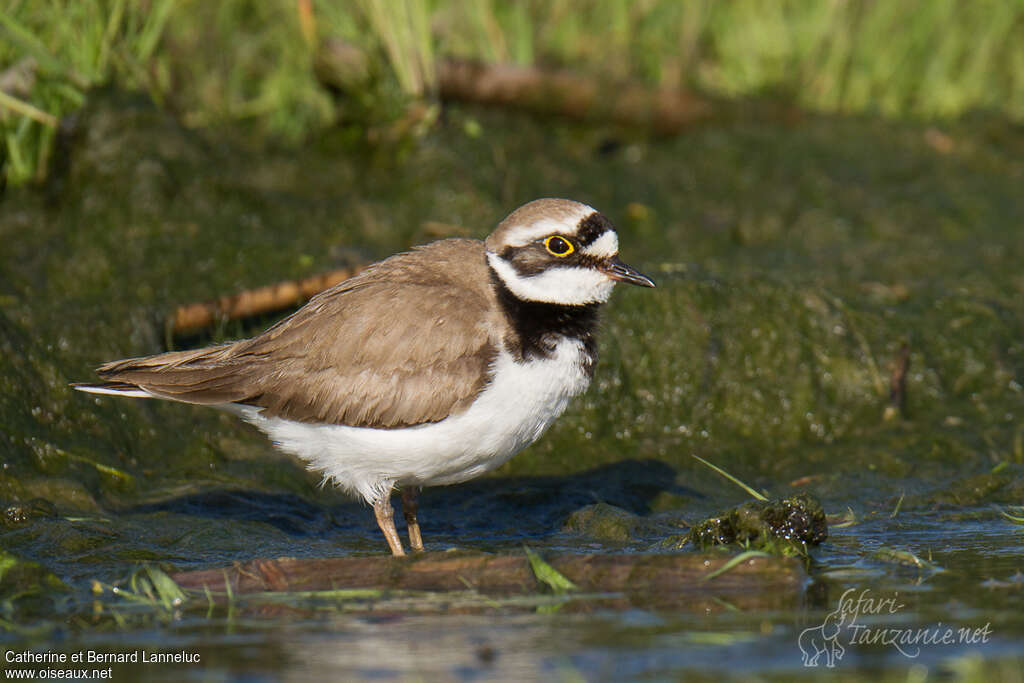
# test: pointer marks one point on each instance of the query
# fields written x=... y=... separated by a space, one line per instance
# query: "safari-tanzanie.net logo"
x=844 y=627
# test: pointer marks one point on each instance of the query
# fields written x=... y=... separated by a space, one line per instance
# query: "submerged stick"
x=192 y=318
x=661 y=576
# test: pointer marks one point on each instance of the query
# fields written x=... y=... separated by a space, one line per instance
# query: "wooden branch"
x=342 y=66
x=194 y=317
x=662 y=576
x=569 y=94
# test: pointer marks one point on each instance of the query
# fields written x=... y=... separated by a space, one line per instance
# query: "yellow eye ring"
x=558 y=246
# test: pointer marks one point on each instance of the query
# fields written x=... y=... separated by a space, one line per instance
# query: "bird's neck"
x=538 y=326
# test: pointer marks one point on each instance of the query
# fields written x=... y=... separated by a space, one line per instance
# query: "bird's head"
x=559 y=251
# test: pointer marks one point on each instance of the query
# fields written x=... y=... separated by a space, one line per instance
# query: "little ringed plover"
x=430 y=367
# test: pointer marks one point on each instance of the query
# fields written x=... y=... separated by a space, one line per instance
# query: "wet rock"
x=605 y=522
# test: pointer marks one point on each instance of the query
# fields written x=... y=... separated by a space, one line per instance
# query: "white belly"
x=522 y=401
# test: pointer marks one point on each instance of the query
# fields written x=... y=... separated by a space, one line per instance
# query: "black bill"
x=620 y=272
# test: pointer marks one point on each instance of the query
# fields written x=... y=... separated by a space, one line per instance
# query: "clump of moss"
x=796 y=519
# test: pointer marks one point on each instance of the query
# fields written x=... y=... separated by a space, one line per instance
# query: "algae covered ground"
x=798 y=261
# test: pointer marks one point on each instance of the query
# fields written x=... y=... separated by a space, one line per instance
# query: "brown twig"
x=192 y=318
x=342 y=66
x=569 y=94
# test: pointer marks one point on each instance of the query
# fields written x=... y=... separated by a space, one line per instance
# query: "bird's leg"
x=386 y=521
x=411 y=506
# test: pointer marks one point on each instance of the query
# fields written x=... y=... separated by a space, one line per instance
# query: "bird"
x=430 y=367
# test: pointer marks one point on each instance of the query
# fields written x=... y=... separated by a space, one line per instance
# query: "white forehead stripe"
x=568 y=285
x=605 y=246
x=525 y=234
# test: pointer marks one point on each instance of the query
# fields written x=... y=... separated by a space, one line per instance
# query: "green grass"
x=547 y=574
x=753 y=493
x=253 y=60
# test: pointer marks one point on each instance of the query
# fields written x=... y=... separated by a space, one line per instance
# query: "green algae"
x=785 y=317
x=793 y=263
x=1004 y=486
x=28 y=591
x=18 y=577
x=781 y=304
x=609 y=524
x=798 y=520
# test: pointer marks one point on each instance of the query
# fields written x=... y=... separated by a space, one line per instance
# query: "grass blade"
x=547 y=574
x=26 y=109
x=734 y=562
x=752 y=492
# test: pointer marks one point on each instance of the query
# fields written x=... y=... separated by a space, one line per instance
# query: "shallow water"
x=793 y=261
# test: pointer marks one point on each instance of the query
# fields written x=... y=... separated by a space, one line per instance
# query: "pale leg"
x=386 y=521
x=410 y=507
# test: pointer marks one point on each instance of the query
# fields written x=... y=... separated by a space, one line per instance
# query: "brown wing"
x=403 y=343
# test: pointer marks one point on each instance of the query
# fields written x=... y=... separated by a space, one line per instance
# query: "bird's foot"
x=386 y=521
x=410 y=508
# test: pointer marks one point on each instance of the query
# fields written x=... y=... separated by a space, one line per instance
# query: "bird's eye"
x=558 y=246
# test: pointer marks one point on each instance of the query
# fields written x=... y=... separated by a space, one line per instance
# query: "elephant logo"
x=823 y=640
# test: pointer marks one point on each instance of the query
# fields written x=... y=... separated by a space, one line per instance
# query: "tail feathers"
x=171 y=360
x=129 y=390
x=115 y=389
x=208 y=376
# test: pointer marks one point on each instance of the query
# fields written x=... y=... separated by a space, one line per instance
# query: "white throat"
x=567 y=285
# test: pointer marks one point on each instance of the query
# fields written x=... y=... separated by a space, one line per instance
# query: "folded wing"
x=405 y=342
